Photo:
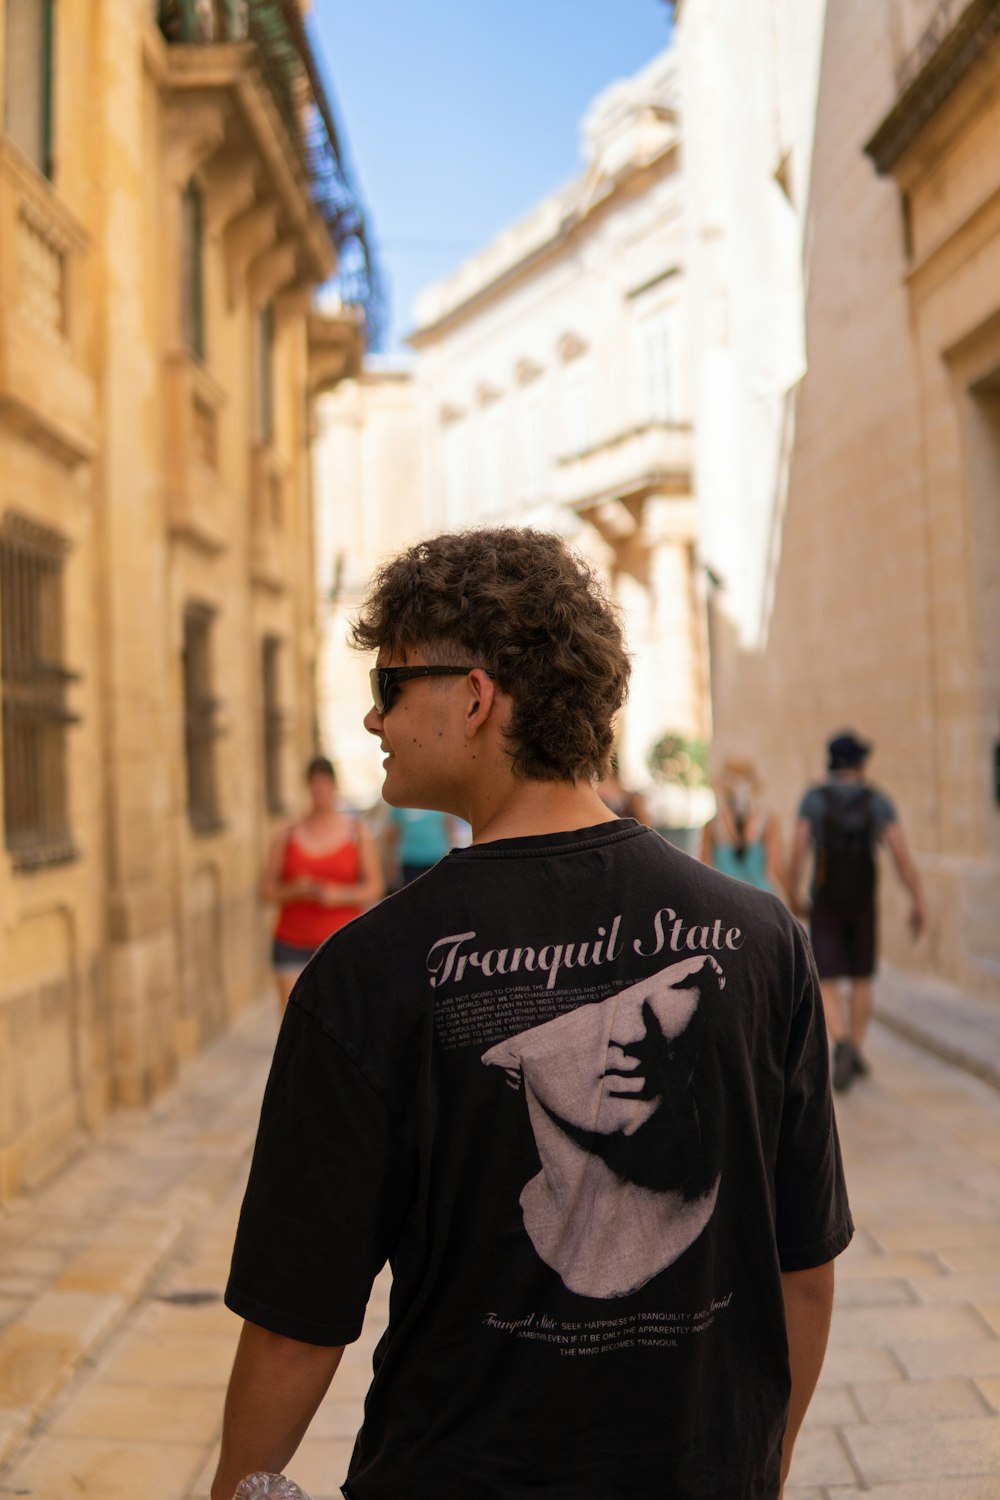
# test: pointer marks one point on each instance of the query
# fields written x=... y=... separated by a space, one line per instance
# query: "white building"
x=749 y=73
x=549 y=388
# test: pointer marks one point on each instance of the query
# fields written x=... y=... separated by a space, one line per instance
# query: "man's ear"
x=481 y=701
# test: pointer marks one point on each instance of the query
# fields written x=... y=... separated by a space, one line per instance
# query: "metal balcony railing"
x=289 y=62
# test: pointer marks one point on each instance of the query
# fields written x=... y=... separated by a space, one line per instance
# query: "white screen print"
x=627 y=1140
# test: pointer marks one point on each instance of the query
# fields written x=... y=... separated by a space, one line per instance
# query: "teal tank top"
x=750 y=867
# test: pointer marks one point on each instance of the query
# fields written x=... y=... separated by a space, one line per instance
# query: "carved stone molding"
x=193 y=133
x=336 y=344
x=230 y=181
x=246 y=238
x=271 y=272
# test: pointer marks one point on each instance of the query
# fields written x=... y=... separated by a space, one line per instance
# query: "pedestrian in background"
x=744 y=838
x=418 y=837
x=842 y=822
x=573 y=1085
x=321 y=872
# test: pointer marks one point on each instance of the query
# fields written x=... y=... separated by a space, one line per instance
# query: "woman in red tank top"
x=321 y=871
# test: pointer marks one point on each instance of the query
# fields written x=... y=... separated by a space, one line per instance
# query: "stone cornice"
x=941 y=66
x=571 y=223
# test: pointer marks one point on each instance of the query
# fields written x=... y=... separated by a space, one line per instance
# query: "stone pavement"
x=115 y=1346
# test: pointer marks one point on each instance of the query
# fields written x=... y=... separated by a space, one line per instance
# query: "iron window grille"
x=201 y=720
x=34 y=687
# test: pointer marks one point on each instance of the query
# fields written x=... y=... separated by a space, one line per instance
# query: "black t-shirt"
x=574 y=1088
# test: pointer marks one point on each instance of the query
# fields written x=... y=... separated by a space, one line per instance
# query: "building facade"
x=876 y=557
x=548 y=388
x=162 y=227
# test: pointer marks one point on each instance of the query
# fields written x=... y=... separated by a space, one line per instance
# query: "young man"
x=843 y=821
x=571 y=1084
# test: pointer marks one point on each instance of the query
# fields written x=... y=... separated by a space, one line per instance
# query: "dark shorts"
x=843 y=943
x=289 y=957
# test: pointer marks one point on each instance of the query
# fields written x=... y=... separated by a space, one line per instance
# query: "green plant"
x=675 y=760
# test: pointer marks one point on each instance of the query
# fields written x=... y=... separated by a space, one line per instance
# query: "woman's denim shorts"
x=288 y=957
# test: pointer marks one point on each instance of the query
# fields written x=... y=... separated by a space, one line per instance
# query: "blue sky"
x=460 y=114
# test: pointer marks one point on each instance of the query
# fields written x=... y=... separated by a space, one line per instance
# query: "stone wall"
x=153 y=466
x=884 y=613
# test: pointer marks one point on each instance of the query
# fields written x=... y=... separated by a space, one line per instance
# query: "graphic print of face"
x=603 y=1069
x=624 y=1101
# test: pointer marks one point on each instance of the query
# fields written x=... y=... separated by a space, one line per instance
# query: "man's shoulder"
x=814 y=800
x=884 y=805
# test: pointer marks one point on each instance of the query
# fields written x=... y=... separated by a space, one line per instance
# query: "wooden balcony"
x=46 y=391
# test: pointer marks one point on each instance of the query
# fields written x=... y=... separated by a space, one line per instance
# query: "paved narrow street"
x=115 y=1346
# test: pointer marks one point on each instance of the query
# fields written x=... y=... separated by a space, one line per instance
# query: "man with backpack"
x=844 y=820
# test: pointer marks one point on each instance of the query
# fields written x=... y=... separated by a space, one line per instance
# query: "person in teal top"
x=420 y=838
x=743 y=839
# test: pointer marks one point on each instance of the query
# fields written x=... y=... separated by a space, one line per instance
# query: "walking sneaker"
x=844 y=1065
x=862 y=1066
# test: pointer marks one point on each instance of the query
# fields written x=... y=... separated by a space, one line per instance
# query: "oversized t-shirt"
x=575 y=1089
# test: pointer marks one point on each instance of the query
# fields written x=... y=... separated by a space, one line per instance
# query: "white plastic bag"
x=269 y=1487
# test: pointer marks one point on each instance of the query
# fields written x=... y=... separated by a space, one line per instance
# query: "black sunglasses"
x=385 y=681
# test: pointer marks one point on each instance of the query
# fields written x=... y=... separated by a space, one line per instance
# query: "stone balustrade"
x=45 y=387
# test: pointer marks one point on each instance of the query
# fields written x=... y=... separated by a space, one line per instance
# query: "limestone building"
x=169 y=186
x=873 y=555
x=548 y=388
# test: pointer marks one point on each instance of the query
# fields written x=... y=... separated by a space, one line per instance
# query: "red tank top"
x=306 y=924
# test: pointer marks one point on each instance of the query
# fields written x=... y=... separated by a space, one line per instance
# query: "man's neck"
x=520 y=809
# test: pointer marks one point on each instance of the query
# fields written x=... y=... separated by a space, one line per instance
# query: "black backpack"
x=845 y=851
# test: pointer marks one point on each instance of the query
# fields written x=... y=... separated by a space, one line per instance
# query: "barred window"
x=265 y=373
x=201 y=719
x=34 y=682
x=273 y=722
x=192 y=271
x=29 y=56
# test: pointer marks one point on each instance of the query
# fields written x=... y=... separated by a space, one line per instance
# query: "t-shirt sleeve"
x=811 y=806
x=813 y=1219
x=885 y=812
x=328 y=1189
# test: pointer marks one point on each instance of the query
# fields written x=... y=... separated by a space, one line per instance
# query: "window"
x=192 y=271
x=493 y=462
x=29 y=58
x=273 y=722
x=577 y=402
x=34 y=682
x=656 y=367
x=455 y=477
x=265 y=374
x=532 y=448
x=201 y=728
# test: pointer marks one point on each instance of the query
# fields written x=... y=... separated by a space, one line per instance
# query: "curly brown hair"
x=521 y=604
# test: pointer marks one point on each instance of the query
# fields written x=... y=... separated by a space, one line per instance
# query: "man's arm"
x=797 y=863
x=274 y=1390
x=808 y=1307
x=907 y=870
